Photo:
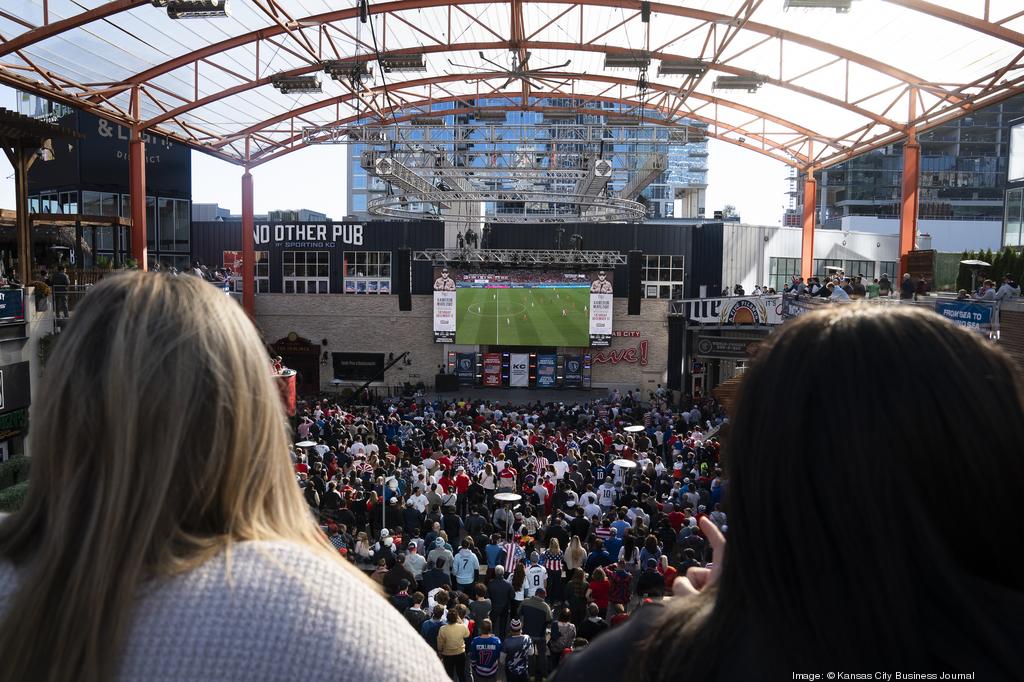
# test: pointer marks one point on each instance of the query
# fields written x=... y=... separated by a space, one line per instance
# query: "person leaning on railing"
x=163 y=536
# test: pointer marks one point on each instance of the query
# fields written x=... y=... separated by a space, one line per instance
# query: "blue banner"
x=546 y=370
x=12 y=306
x=969 y=314
x=465 y=368
x=573 y=371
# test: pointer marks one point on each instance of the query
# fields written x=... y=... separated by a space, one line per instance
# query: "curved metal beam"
x=796 y=163
x=23 y=40
x=656 y=7
x=966 y=20
x=548 y=75
x=526 y=44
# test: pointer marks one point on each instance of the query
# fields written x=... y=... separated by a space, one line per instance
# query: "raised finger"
x=714 y=536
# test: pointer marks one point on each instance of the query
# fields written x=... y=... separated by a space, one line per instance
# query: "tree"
x=729 y=211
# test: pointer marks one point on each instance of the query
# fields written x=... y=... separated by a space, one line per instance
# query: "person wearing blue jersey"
x=485 y=653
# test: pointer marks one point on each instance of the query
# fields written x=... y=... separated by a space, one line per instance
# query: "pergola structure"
x=808 y=87
x=22 y=139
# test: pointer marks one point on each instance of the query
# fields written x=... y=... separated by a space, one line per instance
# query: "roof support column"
x=248 y=247
x=137 y=188
x=21 y=159
x=809 y=214
x=909 y=202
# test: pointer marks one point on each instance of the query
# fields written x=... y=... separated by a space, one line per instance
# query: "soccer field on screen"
x=523 y=317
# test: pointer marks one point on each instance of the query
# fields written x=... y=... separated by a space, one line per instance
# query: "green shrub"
x=12 y=498
x=13 y=471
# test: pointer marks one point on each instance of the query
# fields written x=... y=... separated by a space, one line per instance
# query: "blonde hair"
x=160 y=441
x=553 y=546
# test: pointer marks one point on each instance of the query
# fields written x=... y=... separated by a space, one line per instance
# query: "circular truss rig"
x=518 y=206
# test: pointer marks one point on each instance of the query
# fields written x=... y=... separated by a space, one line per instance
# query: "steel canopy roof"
x=834 y=84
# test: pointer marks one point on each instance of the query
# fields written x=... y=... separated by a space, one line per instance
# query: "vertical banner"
x=444 y=316
x=601 y=298
x=573 y=371
x=12 y=306
x=519 y=369
x=546 y=370
x=465 y=368
x=492 y=369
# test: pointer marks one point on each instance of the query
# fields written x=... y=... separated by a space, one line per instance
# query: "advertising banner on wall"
x=519 y=369
x=573 y=371
x=12 y=306
x=976 y=316
x=444 y=316
x=492 y=369
x=601 y=300
x=734 y=311
x=726 y=347
x=546 y=370
x=465 y=368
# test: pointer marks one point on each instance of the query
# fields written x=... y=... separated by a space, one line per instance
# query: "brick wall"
x=374 y=324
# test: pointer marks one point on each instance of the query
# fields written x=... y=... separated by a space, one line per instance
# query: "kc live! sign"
x=634 y=355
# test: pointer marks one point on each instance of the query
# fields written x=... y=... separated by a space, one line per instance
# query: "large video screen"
x=523 y=308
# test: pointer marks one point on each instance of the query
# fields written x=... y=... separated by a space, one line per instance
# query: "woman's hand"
x=697 y=579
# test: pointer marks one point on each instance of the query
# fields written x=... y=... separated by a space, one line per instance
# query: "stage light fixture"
x=402 y=62
x=194 y=9
x=293 y=85
x=682 y=67
x=353 y=72
x=748 y=83
x=840 y=6
x=639 y=60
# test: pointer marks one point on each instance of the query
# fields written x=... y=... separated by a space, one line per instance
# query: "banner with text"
x=601 y=301
x=546 y=370
x=12 y=306
x=492 y=369
x=519 y=369
x=734 y=311
x=444 y=316
x=465 y=368
x=977 y=316
x=573 y=371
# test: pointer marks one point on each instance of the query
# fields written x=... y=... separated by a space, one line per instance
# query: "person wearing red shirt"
x=676 y=519
x=462 y=482
x=446 y=483
x=598 y=588
x=301 y=467
x=669 y=572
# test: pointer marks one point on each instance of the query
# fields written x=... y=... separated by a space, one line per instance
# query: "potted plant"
x=104 y=263
x=42 y=295
x=131 y=264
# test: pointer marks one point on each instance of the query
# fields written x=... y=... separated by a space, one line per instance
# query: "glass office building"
x=678 y=192
x=963 y=178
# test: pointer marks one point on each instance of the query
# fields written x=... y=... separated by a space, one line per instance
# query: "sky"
x=314 y=179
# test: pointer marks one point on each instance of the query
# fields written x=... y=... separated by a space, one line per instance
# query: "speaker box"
x=403 y=279
x=634 y=265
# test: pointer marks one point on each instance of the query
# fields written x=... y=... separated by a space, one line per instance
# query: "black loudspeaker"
x=403 y=277
x=634 y=264
x=645 y=11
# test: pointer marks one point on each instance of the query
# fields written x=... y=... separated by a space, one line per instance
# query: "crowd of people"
x=506 y=534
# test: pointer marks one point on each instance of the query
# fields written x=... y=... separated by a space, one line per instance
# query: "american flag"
x=552 y=562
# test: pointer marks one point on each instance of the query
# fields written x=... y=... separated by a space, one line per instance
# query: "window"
x=306 y=272
x=662 y=276
x=1012 y=228
x=887 y=268
x=102 y=204
x=367 y=272
x=861 y=267
x=358 y=203
x=821 y=263
x=174 y=221
x=69 y=202
x=262 y=272
x=781 y=272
